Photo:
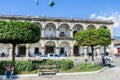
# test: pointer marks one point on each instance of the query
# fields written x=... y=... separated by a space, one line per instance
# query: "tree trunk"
x=104 y=50
x=13 y=52
x=92 y=53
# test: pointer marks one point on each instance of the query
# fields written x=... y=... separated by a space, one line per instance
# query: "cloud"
x=92 y=15
x=115 y=17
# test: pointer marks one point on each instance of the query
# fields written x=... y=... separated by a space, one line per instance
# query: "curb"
x=77 y=73
x=58 y=74
x=19 y=75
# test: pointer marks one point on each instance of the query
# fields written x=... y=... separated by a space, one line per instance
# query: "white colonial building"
x=57 y=36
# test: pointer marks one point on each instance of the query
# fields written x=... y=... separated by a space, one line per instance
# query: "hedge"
x=28 y=66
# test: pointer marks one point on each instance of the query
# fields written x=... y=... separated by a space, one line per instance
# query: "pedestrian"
x=3 y=54
x=110 y=57
x=103 y=59
x=9 y=71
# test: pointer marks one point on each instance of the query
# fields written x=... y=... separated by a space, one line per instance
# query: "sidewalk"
x=17 y=77
x=103 y=74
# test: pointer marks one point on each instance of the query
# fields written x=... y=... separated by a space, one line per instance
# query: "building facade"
x=117 y=46
x=57 y=36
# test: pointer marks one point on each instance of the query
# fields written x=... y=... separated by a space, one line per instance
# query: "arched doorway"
x=64 y=48
x=49 y=47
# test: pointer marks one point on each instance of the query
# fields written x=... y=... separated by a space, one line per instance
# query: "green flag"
x=51 y=3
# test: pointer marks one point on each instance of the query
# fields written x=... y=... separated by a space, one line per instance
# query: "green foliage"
x=3 y=65
x=19 y=32
x=87 y=37
x=30 y=66
x=104 y=37
x=92 y=37
x=65 y=64
x=62 y=64
x=85 y=67
x=21 y=66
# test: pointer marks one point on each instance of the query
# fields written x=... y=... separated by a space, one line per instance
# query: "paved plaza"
x=107 y=74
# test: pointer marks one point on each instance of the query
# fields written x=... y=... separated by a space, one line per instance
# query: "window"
x=51 y=55
x=36 y=51
x=56 y=55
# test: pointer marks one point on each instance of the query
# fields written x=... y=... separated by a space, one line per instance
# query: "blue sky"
x=89 y=9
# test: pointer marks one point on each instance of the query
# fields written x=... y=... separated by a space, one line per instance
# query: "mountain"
x=117 y=37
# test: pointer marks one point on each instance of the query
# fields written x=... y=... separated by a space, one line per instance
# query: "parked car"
x=51 y=56
x=34 y=55
x=42 y=57
x=55 y=56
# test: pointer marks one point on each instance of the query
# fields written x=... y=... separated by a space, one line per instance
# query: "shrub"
x=29 y=66
x=62 y=64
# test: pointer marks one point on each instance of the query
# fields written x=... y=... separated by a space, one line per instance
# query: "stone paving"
x=108 y=74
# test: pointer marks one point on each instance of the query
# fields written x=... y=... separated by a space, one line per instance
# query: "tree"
x=87 y=38
x=104 y=37
x=17 y=32
x=93 y=38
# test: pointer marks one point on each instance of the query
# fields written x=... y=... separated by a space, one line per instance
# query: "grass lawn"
x=85 y=68
x=32 y=72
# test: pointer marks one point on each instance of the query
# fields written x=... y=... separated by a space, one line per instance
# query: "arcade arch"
x=91 y=26
x=77 y=28
x=64 y=30
x=50 y=47
x=64 y=48
x=50 y=30
x=35 y=48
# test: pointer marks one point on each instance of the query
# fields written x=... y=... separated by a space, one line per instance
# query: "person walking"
x=103 y=59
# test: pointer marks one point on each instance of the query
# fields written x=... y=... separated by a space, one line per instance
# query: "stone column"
x=71 y=52
x=43 y=51
x=111 y=49
x=27 y=50
x=71 y=33
x=57 y=50
x=57 y=33
x=85 y=53
x=10 y=52
x=98 y=52
x=43 y=32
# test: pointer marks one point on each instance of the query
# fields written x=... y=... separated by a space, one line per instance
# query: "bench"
x=48 y=69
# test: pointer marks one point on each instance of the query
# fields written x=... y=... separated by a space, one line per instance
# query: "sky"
x=83 y=9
